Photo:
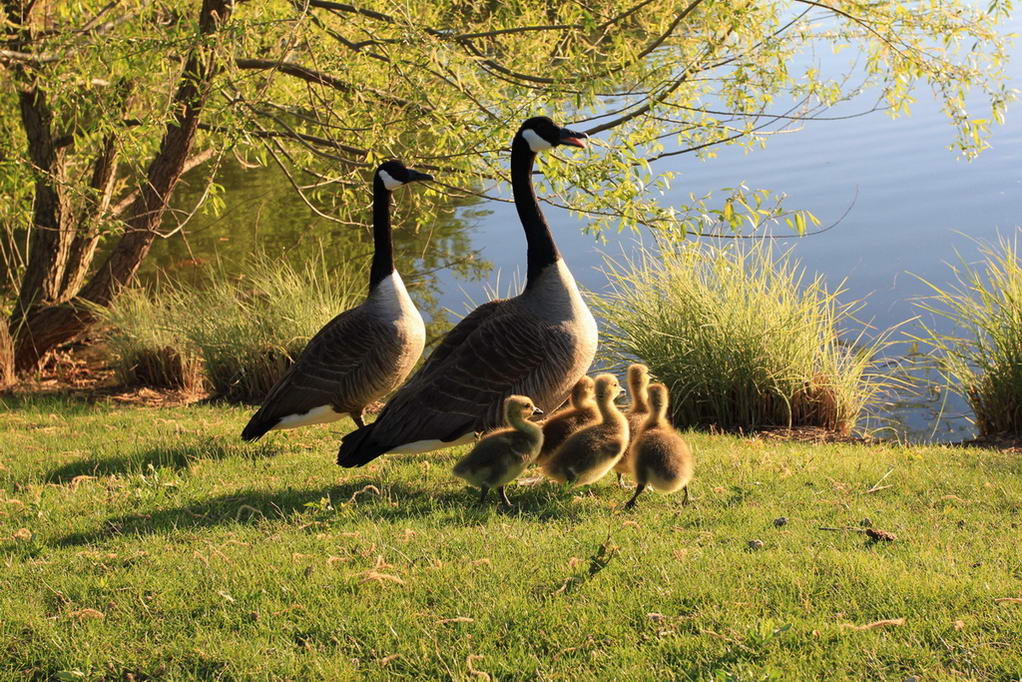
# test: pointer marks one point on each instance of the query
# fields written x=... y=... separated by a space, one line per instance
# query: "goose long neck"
x=383 y=253
x=517 y=421
x=608 y=410
x=657 y=417
x=542 y=250
x=639 y=395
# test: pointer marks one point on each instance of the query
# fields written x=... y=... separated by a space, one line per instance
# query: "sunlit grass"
x=743 y=338
x=982 y=357
x=153 y=543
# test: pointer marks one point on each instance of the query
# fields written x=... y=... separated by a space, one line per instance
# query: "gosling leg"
x=483 y=492
x=503 y=496
x=684 y=500
x=620 y=483
x=638 y=491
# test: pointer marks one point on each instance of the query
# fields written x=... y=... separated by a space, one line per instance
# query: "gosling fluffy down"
x=660 y=458
x=501 y=456
x=638 y=388
x=590 y=453
x=580 y=412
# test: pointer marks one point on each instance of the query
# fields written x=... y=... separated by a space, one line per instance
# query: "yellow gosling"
x=580 y=412
x=638 y=386
x=590 y=453
x=499 y=458
x=660 y=457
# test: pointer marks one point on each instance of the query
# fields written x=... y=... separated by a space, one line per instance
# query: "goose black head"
x=393 y=174
x=542 y=133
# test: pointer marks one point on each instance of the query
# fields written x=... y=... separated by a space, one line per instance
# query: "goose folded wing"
x=340 y=366
x=510 y=352
x=458 y=334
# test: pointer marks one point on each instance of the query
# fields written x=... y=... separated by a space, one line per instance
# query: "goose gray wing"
x=457 y=335
x=510 y=352
x=346 y=365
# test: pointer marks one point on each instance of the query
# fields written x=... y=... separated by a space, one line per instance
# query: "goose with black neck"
x=363 y=353
x=539 y=343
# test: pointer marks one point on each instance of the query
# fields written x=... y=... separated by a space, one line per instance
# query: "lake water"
x=915 y=207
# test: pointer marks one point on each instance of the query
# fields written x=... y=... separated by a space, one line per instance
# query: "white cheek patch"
x=536 y=143
x=389 y=182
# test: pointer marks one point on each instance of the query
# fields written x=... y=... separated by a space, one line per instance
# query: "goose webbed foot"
x=503 y=497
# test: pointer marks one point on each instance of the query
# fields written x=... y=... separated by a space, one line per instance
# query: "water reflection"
x=262 y=213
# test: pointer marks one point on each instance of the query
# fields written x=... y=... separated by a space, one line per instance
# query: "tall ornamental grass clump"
x=248 y=330
x=982 y=358
x=743 y=339
x=147 y=347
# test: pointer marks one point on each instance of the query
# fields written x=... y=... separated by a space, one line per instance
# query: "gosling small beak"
x=536 y=411
x=572 y=138
x=416 y=176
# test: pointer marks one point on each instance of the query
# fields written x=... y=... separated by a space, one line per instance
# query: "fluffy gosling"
x=498 y=458
x=580 y=412
x=660 y=457
x=590 y=453
x=638 y=387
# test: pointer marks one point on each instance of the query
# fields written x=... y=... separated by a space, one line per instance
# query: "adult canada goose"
x=638 y=387
x=538 y=343
x=502 y=455
x=580 y=412
x=659 y=456
x=590 y=453
x=363 y=353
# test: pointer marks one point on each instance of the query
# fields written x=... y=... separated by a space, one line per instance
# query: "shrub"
x=147 y=349
x=740 y=337
x=982 y=359
x=249 y=329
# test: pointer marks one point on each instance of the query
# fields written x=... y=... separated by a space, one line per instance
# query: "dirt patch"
x=81 y=373
x=812 y=434
x=1005 y=442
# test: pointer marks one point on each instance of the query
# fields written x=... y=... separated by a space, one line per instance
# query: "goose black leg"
x=483 y=492
x=359 y=421
x=503 y=496
x=638 y=491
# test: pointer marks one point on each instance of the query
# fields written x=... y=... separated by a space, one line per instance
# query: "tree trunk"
x=45 y=327
x=6 y=356
x=51 y=211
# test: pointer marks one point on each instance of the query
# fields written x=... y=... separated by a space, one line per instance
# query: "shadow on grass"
x=177 y=457
x=360 y=498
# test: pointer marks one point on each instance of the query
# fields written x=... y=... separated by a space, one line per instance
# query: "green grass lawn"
x=151 y=543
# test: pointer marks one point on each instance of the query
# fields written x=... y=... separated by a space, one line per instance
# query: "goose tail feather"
x=358 y=448
x=257 y=427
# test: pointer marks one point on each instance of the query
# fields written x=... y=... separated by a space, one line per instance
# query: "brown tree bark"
x=6 y=356
x=44 y=327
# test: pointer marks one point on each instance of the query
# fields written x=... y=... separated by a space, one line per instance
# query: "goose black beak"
x=416 y=176
x=572 y=138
